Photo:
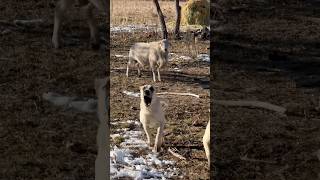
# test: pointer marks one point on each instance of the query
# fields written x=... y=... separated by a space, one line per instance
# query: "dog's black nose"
x=147 y=92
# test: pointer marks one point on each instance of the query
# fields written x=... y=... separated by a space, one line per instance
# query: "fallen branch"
x=245 y=158
x=176 y=154
x=182 y=94
x=32 y=22
x=257 y=104
x=162 y=93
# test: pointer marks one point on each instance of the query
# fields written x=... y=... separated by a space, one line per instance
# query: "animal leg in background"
x=139 y=70
x=94 y=33
x=128 y=65
x=159 y=78
x=153 y=74
x=60 y=10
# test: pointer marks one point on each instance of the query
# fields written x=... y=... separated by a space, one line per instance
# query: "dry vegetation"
x=141 y=12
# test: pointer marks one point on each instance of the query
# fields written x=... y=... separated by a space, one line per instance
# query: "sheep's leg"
x=153 y=74
x=60 y=10
x=128 y=65
x=139 y=70
x=148 y=133
x=94 y=34
x=159 y=78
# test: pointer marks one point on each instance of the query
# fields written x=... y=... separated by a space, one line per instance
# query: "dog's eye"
x=151 y=89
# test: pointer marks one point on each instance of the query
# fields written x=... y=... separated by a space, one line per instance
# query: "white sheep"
x=88 y=6
x=155 y=54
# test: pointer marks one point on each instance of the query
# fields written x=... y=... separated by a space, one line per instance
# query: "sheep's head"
x=101 y=5
x=164 y=45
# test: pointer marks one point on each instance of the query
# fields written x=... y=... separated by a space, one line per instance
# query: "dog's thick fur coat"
x=155 y=54
x=151 y=115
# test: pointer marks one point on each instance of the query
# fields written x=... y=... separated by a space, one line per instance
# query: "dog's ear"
x=152 y=89
x=141 y=88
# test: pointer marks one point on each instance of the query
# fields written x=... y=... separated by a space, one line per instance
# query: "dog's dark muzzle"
x=147 y=100
x=147 y=92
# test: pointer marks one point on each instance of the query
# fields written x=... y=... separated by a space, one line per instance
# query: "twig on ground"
x=176 y=154
x=31 y=22
x=182 y=94
x=245 y=158
x=257 y=104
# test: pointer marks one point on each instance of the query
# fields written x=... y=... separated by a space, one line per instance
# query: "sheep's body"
x=88 y=6
x=154 y=54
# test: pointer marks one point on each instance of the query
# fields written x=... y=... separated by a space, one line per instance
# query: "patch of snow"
x=204 y=57
x=177 y=69
x=133 y=158
x=131 y=93
x=132 y=28
x=185 y=57
x=120 y=56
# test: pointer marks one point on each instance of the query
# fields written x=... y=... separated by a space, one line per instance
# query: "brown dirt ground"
x=267 y=53
x=186 y=116
x=38 y=140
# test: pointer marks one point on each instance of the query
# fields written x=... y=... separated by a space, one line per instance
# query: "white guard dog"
x=151 y=115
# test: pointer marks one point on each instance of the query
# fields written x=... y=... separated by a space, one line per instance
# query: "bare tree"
x=161 y=18
x=178 y=18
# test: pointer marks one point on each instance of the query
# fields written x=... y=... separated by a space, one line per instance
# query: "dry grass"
x=140 y=12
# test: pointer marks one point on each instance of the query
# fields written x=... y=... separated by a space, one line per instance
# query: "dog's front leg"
x=158 y=140
x=148 y=133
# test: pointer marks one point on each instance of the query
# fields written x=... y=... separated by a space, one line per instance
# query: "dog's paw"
x=155 y=150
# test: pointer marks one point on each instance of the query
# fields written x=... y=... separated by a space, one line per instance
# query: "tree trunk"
x=178 y=18
x=161 y=18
